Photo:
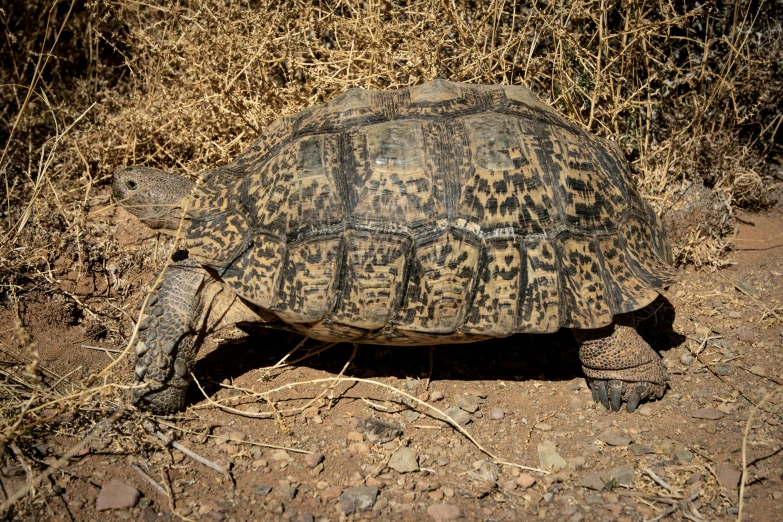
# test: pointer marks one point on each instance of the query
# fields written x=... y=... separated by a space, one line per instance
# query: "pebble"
x=275 y=506
x=722 y=368
x=594 y=499
x=488 y=470
x=707 y=413
x=355 y=436
x=404 y=460
x=116 y=494
x=543 y=426
x=263 y=490
x=332 y=493
x=548 y=456
x=311 y=412
x=466 y=402
x=640 y=449
x=525 y=481
x=280 y=454
x=288 y=492
x=303 y=517
x=459 y=415
x=686 y=359
x=614 y=438
x=728 y=475
x=363 y=498
x=684 y=456
x=311 y=460
x=436 y=396
x=623 y=475
x=147 y=515
x=496 y=414
x=746 y=287
x=260 y=463
x=745 y=334
x=444 y=512
x=645 y=410
x=758 y=370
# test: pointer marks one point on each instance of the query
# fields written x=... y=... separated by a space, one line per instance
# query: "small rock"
x=488 y=471
x=525 y=481
x=363 y=498
x=263 y=490
x=496 y=414
x=311 y=460
x=543 y=426
x=707 y=413
x=594 y=499
x=725 y=369
x=745 y=334
x=310 y=412
x=735 y=315
x=640 y=449
x=280 y=454
x=615 y=438
x=459 y=415
x=444 y=512
x=622 y=476
x=466 y=402
x=686 y=359
x=332 y=493
x=288 y=492
x=645 y=410
x=577 y=403
x=745 y=287
x=548 y=497
x=303 y=517
x=424 y=397
x=683 y=456
x=577 y=462
x=410 y=415
x=275 y=506
x=548 y=456
x=436 y=396
x=259 y=463
x=436 y=495
x=728 y=475
x=116 y=494
x=404 y=460
x=355 y=436
x=147 y=515
x=758 y=370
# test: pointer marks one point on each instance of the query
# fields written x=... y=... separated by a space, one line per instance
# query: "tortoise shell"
x=440 y=213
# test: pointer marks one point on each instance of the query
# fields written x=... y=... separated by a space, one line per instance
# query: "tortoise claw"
x=603 y=396
x=633 y=401
x=615 y=394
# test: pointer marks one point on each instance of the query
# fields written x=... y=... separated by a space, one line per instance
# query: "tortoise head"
x=153 y=196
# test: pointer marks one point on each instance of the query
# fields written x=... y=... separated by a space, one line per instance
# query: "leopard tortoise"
x=441 y=213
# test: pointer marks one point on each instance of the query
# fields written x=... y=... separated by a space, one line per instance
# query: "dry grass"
x=693 y=94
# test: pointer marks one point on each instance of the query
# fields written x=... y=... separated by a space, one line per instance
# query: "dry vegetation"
x=692 y=91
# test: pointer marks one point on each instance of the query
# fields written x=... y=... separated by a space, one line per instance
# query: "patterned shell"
x=441 y=213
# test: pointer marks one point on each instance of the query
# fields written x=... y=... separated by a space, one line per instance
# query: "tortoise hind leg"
x=620 y=365
x=166 y=345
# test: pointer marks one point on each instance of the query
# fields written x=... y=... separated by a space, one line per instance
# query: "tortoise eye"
x=132 y=184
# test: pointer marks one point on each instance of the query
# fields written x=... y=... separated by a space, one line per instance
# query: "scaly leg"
x=620 y=365
x=167 y=342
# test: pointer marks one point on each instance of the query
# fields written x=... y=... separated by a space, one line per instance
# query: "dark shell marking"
x=437 y=214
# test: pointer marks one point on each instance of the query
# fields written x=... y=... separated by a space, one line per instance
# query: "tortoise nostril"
x=132 y=184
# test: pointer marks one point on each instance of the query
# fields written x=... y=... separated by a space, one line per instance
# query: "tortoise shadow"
x=520 y=357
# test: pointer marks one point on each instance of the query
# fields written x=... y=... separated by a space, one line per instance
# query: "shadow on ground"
x=517 y=358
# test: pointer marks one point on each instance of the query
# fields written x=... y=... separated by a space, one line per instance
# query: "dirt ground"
x=524 y=398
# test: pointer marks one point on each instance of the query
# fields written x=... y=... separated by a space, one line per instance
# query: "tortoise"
x=441 y=213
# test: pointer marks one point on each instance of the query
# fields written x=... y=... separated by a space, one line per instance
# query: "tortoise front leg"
x=168 y=338
x=620 y=365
